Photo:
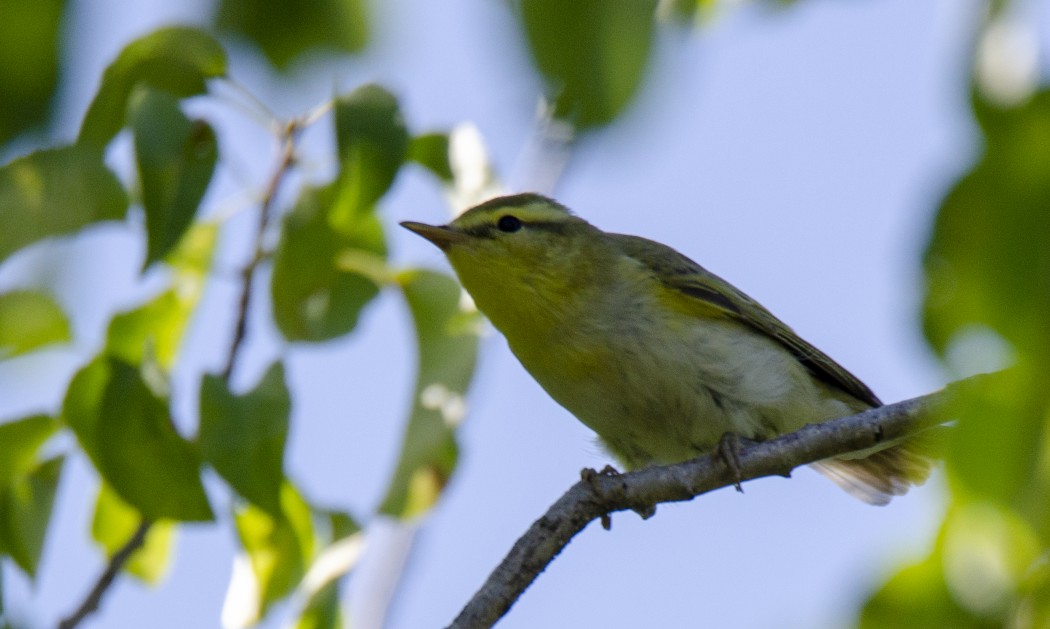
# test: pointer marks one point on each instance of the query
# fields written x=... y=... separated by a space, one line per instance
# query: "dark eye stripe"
x=490 y=231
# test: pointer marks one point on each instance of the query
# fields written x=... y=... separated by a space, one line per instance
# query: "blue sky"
x=800 y=154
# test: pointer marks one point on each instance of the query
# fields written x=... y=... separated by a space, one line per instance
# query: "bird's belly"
x=664 y=398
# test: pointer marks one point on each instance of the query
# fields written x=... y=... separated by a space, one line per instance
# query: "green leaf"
x=30 y=320
x=277 y=547
x=918 y=596
x=155 y=330
x=985 y=562
x=19 y=442
x=1000 y=448
x=176 y=59
x=447 y=337
x=286 y=29
x=322 y=610
x=987 y=266
x=25 y=511
x=340 y=525
x=28 y=63
x=430 y=150
x=987 y=262
x=344 y=544
x=176 y=158
x=593 y=53
x=127 y=431
x=373 y=144
x=314 y=298
x=243 y=436
x=113 y=525
x=55 y=192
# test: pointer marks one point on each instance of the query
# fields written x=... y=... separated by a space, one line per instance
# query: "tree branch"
x=288 y=134
x=284 y=163
x=113 y=568
x=599 y=495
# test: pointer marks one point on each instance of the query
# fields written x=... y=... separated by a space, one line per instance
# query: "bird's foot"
x=729 y=451
x=588 y=474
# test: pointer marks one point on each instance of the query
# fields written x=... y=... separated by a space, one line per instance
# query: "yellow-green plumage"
x=657 y=355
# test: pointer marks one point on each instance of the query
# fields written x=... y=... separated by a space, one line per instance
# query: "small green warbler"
x=658 y=356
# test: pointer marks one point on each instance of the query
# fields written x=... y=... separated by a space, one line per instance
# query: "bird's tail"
x=878 y=477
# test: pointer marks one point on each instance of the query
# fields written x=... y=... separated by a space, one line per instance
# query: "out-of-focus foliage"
x=126 y=428
x=315 y=296
x=988 y=299
x=176 y=60
x=447 y=335
x=176 y=158
x=278 y=546
x=243 y=436
x=115 y=522
x=30 y=320
x=329 y=262
x=155 y=329
x=55 y=192
x=283 y=30
x=27 y=489
x=593 y=53
x=28 y=62
x=25 y=511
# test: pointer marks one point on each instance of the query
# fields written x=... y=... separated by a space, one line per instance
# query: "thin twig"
x=287 y=136
x=284 y=164
x=116 y=564
x=599 y=495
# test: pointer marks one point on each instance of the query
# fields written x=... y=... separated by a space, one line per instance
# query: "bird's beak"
x=441 y=235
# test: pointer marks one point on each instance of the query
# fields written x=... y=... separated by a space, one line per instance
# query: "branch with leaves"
x=598 y=495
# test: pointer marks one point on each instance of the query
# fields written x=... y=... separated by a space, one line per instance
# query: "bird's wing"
x=712 y=295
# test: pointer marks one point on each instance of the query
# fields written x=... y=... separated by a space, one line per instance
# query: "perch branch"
x=600 y=495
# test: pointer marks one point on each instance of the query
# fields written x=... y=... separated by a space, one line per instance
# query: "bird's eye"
x=508 y=223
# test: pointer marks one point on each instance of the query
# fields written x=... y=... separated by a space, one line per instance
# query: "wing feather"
x=685 y=276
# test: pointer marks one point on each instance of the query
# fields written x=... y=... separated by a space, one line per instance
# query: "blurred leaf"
x=987 y=262
x=447 y=337
x=918 y=596
x=19 y=442
x=593 y=53
x=279 y=548
x=998 y=451
x=322 y=584
x=156 y=328
x=177 y=60
x=30 y=320
x=983 y=563
x=127 y=431
x=113 y=525
x=340 y=525
x=987 y=268
x=431 y=151
x=176 y=158
x=25 y=512
x=692 y=12
x=283 y=30
x=988 y=553
x=322 y=610
x=313 y=298
x=373 y=143
x=243 y=436
x=55 y=192
x=28 y=62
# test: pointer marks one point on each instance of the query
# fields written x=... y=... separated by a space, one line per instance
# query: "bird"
x=661 y=358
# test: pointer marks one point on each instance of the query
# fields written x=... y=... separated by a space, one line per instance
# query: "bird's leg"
x=588 y=475
x=729 y=451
